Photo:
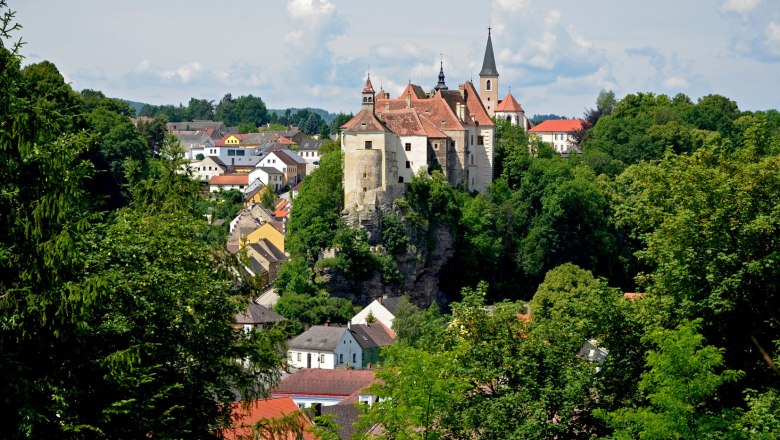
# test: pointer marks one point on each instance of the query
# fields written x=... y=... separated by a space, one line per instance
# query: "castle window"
x=480 y=140
x=365 y=189
x=365 y=99
x=408 y=147
x=368 y=145
x=472 y=139
x=400 y=179
x=489 y=86
x=365 y=175
x=408 y=164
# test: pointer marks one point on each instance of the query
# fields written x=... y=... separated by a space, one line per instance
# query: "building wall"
x=348 y=352
x=368 y=169
x=489 y=97
x=268 y=232
x=417 y=157
x=298 y=358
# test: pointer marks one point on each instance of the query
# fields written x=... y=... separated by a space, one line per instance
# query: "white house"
x=194 y=143
x=229 y=181
x=207 y=168
x=286 y=161
x=558 y=133
x=325 y=346
x=270 y=177
x=309 y=150
x=382 y=309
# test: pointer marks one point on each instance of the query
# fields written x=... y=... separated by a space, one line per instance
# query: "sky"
x=554 y=55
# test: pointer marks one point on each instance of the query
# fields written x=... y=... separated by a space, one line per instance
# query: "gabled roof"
x=294 y=156
x=268 y=251
x=230 y=179
x=245 y=417
x=415 y=91
x=216 y=160
x=475 y=106
x=509 y=104
x=319 y=381
x=558 y=125
x=364 y=121
x=368 y=88
x=318 y=337
x=371 y=335
x=269 y=170
x=489 y=62
x=310 y=144
x=403 y=122
x=257 y=314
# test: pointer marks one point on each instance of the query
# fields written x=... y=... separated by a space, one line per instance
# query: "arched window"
x=509 y=118
x=488 y=85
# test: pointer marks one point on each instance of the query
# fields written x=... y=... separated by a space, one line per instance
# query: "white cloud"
x=675 y=83
x=185 y=73
x=310 y=10
x=772 y=35
x=511 y=6
x=739 y=6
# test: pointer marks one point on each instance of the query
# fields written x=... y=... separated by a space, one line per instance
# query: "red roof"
x=558 y=126
x=368 y=88
x=244 y=418
x=286 y=141
x=509 y=104
x=633 y=295
x=322 y=382
x=230 y=179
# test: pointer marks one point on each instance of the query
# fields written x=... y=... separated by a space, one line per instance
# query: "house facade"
x=326 y=347
x=558 y=133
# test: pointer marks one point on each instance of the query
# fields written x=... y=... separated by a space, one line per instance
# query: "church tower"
x=368 y=96
x=488 y=79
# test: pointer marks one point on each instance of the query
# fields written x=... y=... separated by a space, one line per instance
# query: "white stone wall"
x=417 y=157
x=298 y=358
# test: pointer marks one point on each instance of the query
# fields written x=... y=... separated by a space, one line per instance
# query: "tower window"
x=488 y=86
x=368 y=145
x=400 y=179
x=408 y=164
x=408 y=147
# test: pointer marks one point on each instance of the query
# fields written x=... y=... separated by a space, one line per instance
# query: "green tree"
x=681 y=382
x=199 y=109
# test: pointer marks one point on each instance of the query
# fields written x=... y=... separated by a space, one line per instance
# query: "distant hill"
x=136 y=105
x=324 y=114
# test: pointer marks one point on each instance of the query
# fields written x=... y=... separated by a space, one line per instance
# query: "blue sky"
x=555 y=55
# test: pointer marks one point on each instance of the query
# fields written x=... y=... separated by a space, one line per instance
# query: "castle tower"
x=488 y=79
x=368 y=96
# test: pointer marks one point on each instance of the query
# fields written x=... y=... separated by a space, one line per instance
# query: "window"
x=368 y=145
x=231 y=152
x=408 y=164
x=488 y=86
x=480 y=140
x=364 y=176
x=408 y=147
x=341 y=358
x=299 y=357
x=354 y=357
x=322 y=358
x=400 y=179
x=240 y=152
x=472 y=139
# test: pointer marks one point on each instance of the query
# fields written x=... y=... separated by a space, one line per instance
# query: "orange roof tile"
x=558 y=125
x=368 y=88
x=509 y=104
x=364 y=121
x=475 y=106
x=230 y=179
x=244 y=418
x=404 y=122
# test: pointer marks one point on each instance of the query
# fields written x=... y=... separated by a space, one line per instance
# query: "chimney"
x=349 y=325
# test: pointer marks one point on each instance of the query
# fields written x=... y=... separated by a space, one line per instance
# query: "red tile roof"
x=403 y=122
x=475 y=106
x=364 y=121
x=633 y=295
x=322 y=382
x=509 y=104
x=230 y=179
x=558 y=125
x=286 y=141
x=368 y=88
x=244 y=418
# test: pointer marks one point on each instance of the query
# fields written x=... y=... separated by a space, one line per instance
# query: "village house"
x=371 y=338
x=290 y=164
x=559 y=134
x=256 y=316
x=309 y=387
x=381 y=310
x=249 y=419
x=207 y=168
x=226 y=182
x=325 y=346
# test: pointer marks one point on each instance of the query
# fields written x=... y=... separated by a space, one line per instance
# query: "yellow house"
x=269 y=233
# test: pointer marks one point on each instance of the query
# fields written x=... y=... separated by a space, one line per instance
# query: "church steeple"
x=441 y=85
x=489 y=62
x=488 y=79
x=368 y=95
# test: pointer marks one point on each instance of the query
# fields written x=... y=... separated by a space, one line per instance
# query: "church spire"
x=489 y=62
x=441 y=85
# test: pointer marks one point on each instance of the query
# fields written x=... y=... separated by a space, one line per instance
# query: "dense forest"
x=117 y=298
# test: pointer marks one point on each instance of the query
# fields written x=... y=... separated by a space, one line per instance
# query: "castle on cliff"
x=391 y=139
